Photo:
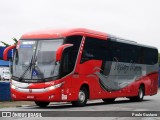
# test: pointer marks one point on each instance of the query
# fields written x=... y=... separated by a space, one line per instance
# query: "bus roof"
x=121 y=40
x=62 y=33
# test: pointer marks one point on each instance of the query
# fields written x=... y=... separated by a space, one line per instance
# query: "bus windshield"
x=34 y=60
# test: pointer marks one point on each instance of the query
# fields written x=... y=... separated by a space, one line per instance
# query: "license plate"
x=30 y=97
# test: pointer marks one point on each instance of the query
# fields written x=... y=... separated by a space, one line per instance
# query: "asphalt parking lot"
x=94 y=108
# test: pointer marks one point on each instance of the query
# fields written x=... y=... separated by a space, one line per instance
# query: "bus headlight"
x=13 y=87
x=55 y=86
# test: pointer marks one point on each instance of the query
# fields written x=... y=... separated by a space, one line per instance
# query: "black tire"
x=42 y=104
x=82 y=98
x=109 y=100
x=140 y=95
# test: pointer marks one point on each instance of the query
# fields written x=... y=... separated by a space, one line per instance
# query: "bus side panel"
x=150 y=83
x=142 y=81
x=154 y=83
x=147 y=84
x=87 y=75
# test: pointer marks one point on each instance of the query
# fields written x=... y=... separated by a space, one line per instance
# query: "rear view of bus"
x=79 y=64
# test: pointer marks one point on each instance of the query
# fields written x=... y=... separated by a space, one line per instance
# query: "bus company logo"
x=30 y=90
x=131 y=67
x=6 y=114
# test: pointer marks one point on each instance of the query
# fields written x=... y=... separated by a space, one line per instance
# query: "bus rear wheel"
x=42 y=104
x=140 y=95
x=82 y=98
x=109 y=100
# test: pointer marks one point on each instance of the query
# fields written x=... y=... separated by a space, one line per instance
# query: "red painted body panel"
x=81 y=74
x=36 y=96
x=96 y=92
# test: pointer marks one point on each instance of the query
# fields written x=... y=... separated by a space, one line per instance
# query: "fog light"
x=13 y=95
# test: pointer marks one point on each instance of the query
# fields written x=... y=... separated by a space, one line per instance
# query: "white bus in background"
x=5 y=73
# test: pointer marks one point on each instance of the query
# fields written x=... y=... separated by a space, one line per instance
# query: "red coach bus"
x=75 y=65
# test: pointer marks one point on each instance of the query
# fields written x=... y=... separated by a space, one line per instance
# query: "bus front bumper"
x=51 y=94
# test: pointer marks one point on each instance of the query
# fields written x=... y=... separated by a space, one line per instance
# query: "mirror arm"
x=5 y=52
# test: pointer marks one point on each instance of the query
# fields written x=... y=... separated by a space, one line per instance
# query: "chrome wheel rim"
x=82 y=96
x=140 y=93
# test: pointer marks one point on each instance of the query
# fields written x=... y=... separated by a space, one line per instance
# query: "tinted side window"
x=94 y=49
x=108 y=50
x=122 y=52
x=151 y=56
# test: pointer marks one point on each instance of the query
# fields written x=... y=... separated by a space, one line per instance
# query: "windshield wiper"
x=25 y=71
x=32 y=65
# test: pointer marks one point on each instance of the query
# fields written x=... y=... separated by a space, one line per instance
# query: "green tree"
x=15 y=41
x=6 y=44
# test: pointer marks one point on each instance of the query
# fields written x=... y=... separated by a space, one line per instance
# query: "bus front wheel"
x=41 y=104
x=82 y=98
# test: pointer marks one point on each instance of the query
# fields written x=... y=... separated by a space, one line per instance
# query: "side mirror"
x=60 y=51
x=5 y=52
